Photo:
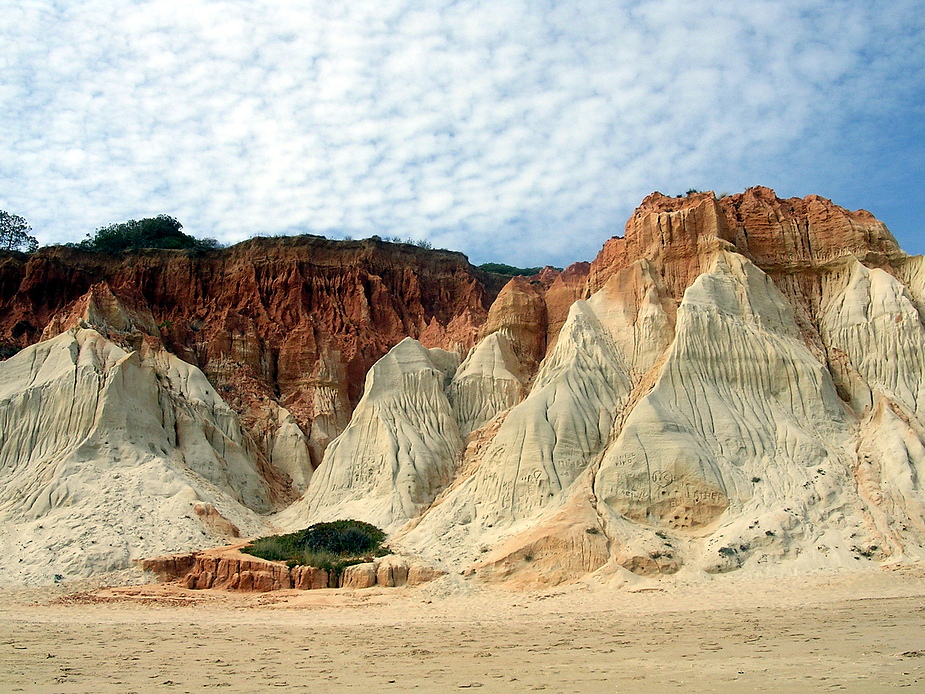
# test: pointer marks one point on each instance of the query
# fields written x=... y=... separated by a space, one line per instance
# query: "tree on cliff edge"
x=162 y=231
x=14 y=234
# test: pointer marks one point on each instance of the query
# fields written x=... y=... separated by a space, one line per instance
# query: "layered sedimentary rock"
x=742 y=422
x=735 y=384
x=230 y=569
x=292 y=323
x=491 y=380
x=741 y=388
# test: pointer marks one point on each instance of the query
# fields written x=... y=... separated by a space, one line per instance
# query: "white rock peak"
x=399 y=451
x=105 y=456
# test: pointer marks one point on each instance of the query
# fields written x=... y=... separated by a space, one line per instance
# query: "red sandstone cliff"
x=289 y=321
x=296 y=322
x=777 y=235
x=789 y=239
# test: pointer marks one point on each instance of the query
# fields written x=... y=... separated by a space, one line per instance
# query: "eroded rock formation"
x=740 y=388
x=229 y=569
x=292 y=323
x=735 y=383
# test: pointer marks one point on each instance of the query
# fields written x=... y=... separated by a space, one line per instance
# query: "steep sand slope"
x=108 y=457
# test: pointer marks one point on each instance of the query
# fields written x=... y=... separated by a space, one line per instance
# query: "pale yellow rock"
x=872 y=326
x=546 y=441
x=742 y=423
x=391 y=571
x=489 y=381
x=104 y=454
x=398 y=452
x=289 y=450
x=359 y=576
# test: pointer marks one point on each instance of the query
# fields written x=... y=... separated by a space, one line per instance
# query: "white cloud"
x=513 y=132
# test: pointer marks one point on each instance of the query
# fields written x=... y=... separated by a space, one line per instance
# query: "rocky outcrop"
x=229 y=569
x=491 y=380
x=309 y=578
x=566 y=288
x=170 y=567
x=734 y=383
x=739 y=423
x=107 y=455
x=677 y=235
x=546 y=442
x=782 y=237
x=399 y=450
x=237 y=572
x=808 y=232
x=519 y=314
x=292 y=323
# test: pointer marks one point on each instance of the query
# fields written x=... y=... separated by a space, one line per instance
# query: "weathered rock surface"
x=491 y=380
x=735 y=384
x=292 y=323
x=229 y=569
x=547 y=441
x=232 y=570
x=109 y=455
x=742 y=421
x=399 y=450
x=519 y=314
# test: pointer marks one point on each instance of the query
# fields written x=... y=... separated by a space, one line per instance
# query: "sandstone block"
x=359 y=576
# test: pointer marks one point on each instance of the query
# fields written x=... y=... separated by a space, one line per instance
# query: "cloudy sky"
x=518 y=131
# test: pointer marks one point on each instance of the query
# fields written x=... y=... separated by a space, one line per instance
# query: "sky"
x=523 y=132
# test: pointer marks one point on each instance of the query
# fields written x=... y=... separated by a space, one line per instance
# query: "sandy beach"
x=827 y=632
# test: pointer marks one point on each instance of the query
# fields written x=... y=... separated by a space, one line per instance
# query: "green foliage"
x=14 y=234
x=420 y=243
x=509 y=270
x=162 y=231
x=330 y=546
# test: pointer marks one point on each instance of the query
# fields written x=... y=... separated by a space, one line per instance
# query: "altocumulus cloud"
x=518 y=131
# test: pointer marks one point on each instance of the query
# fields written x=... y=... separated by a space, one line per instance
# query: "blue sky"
x=519 y=132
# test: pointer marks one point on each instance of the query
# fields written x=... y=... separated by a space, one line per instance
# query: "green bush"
x=329 y=546
x=509 y=270
x=162 y=231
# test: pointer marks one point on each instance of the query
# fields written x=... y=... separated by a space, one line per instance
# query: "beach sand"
x=849 y=632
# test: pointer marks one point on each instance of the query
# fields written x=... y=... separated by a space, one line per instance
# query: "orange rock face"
x=247 y=574
x=229 y=569
x=807 y=232
x=566 y=288
x=520 y=313
x=297 y=322
x=292 y=321
x=309 y=578
x=169 y=568
x=777 y=235
x=674 y=233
